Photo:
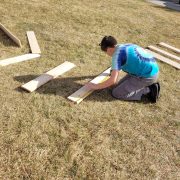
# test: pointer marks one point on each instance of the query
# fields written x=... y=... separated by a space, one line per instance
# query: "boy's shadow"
x=65 y=86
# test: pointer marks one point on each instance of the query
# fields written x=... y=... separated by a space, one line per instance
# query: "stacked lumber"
x=164 y=55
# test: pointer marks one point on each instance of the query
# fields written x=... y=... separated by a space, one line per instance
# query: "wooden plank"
x=44 y=78
x=35 y=49
x=83 y=92
x=169 y=47
x=164 y=59
x=17 y=59
x=10 y=35
x=164 y=53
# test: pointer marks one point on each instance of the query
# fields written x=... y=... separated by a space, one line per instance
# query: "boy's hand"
x=91 y=86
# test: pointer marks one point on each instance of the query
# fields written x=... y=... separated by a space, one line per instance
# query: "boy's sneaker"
x=153 y=95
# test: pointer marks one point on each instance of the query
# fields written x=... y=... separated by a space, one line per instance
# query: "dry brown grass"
x=44 y=136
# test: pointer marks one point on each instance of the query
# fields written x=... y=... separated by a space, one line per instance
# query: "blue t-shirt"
x=134 y=60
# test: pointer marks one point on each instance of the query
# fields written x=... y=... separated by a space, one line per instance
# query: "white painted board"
x=35 y=49
x=44 y=78
x=17 y=59
x=83 y=92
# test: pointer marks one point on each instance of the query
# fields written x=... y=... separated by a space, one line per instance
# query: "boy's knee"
x=116 y=94
x=121 y=94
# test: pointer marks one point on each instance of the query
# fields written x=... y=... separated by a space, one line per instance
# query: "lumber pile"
x=164 y=55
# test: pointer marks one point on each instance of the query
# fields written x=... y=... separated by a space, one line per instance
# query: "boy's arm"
x=111 y=81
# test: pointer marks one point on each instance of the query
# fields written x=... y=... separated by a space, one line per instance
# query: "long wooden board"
x=44 y=78
x=10 y=35
x=83 y=92
x=164 y=53
x=17 y=59
x=169 y=47
x=35 y=49
x=164 y=59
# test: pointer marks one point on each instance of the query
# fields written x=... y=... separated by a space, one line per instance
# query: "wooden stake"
x=10 y=35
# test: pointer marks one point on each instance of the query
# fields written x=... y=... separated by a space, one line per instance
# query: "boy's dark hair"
x=107 y=41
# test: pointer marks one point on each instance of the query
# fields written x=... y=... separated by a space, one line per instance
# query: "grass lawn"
x=44 y=136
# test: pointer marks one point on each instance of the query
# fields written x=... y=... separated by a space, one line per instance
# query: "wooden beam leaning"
x=10 y=35
x=17 y=59
x=169 y=47
x=83 y=92
x=164 y=59
x=44 y=78
x=164 y=53
x=35 y=49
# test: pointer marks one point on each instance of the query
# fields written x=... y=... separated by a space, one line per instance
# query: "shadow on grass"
x=5 y=40
x=64 y=87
